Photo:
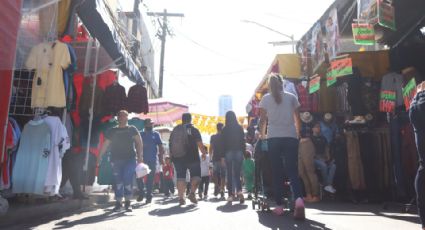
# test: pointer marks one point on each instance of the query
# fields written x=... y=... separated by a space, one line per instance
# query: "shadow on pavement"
x=349 y=209
x=287 y=222
x=173 y=210
x=232 y=208
x=108 y=215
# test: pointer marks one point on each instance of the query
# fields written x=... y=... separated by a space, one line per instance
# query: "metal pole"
x=86 y=163
x=161 y=65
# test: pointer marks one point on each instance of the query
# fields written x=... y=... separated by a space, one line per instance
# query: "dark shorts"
x=182 y=166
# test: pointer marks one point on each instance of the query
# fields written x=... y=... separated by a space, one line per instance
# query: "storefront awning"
x=164 y=112
x=98 y=20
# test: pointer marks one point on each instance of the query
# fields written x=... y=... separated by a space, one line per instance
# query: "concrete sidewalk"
x=21 y=210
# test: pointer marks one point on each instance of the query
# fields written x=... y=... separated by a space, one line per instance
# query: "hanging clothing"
x=30 y=169
x=49 y=60
x=114 y=99
x=137 y=100
x=68 y=76
x=85 y=101
x=303 y=98
x=59 y=141
x=342 y=104
x=355 y=166
x=289 y=87
x=393 y=82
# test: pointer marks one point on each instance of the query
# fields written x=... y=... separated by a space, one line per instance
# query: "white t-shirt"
x=205 y=164
x=280 y=116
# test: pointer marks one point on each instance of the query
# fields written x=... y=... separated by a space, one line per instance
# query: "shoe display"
x=192 y=198
x=127 y=206
x=299 y=212
x=118 y=206
x=330 y=189
x=278 y=211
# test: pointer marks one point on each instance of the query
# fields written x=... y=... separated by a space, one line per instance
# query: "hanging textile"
x=59 y=144
x=49 y=60
x=30 y=170
x=137 y=100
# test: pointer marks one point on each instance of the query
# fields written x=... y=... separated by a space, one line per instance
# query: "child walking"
x=168 y=171
x=205 y=176
x=248 y=167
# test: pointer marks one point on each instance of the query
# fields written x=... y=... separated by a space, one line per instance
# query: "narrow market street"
x=164 y=213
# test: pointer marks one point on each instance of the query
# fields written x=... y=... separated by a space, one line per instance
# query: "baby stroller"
x=263 y=182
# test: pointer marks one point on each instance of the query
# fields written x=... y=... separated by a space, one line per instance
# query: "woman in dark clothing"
x=234 y=147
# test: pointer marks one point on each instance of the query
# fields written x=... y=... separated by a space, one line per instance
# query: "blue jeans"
x=417 y=117
x=327 y=171
x=234 y=166
x=149 y=181
x=284 y=149
x=123 y=171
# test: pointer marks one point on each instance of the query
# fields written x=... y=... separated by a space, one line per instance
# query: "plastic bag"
x=142 y=170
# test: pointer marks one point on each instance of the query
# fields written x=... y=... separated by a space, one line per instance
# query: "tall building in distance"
x=224 y=104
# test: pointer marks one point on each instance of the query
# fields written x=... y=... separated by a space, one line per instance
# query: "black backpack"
x=179 y=141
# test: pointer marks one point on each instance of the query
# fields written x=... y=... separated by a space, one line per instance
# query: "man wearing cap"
x=152 y=145
x=125 y=145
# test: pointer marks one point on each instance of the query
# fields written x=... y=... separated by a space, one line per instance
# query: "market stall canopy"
x=100 y=22
x=287 y=65
x=164 y=112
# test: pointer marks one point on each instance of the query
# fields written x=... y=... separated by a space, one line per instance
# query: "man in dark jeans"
x=417 y=117
x=152 y=145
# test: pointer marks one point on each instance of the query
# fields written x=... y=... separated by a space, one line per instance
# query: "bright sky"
x=213 y=52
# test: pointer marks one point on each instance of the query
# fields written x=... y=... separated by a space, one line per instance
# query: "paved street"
x=215 y=214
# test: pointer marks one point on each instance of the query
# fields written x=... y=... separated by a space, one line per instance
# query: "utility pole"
x=163 y=35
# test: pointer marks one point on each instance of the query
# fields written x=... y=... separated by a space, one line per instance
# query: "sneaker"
x=200 y=195
x=205 y=196
x=230 y=199
x=140 y=198
x=117 y=207
x=330 y=189
x=182 y=201
x=148 y=200
x=192 y=198
x=278 y=211
x=222 y=194
x=241 y=198
x=127 y=206
x=249 y=196
x=215 y=192
x=299 y=212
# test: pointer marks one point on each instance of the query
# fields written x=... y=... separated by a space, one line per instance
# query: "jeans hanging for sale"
x=417 y=111
x=339 y=153
x=355 y=165
x=399 y=177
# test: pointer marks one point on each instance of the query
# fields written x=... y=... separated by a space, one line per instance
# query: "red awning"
x=164 y=112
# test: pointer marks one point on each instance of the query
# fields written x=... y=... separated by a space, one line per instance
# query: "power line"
x=212 y=50
x=214 y=74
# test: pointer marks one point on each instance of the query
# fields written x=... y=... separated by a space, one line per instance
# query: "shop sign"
x=409 y=92
x=330 y=80
x=387 y=102
x=314 y=84
x=386 y=15
x=364 y=34
x=341 y=67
